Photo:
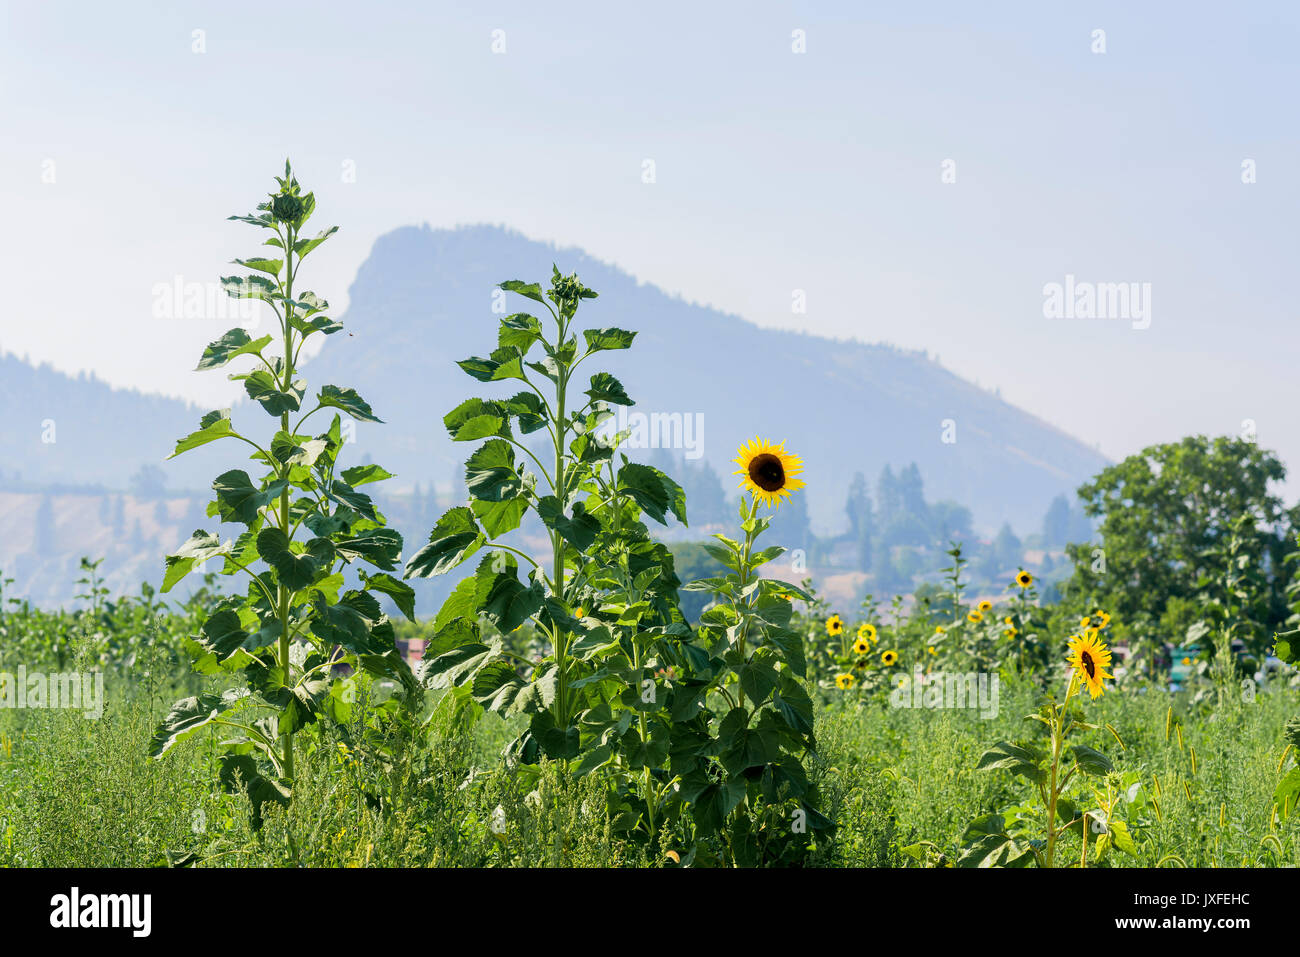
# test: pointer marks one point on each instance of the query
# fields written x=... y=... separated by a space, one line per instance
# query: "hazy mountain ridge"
x=423 y=300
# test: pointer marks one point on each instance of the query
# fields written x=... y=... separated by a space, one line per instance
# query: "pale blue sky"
x=775 y=171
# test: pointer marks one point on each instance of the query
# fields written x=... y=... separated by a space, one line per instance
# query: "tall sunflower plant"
x=742 y=758
x=302 y=632
x=1033 y=833
x=603 y=599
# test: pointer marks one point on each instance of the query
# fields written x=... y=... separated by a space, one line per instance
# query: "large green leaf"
x=238 y=499
x=455 y=538
x=601 y=339
x=200 y=547
x=1006 y=756
x=490 y=472
x=331 y=396
x=477 y=419
x=264 y=388
x=190 y=714
x=234 y=343
x=654 y=491
x=215 y=425
x=579 y=531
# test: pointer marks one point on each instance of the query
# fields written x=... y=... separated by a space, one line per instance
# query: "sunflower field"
x=565 y=710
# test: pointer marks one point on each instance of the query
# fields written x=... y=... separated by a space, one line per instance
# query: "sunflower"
x=861 y=646
x=834 y=626
x=931 y=650
x=1024 y=579
x=844 y=681
x=888 y=658
x=867 y=631
x=938 y=629
x=1090 y=658
x=1010 y=633
x=1102 y=617
x=974 y=616
x=985 y=606
x=1085 y=622
x=768 y=471
x=1008 y=620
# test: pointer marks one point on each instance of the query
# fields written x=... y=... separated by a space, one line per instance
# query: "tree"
x=1056 y=523
x=149 y=481
x=1167 y=514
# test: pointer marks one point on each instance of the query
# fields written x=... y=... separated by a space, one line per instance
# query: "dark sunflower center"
x=1086 y=660
x=766 y=472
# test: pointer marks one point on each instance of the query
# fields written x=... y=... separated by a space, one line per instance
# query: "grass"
x=81 y=793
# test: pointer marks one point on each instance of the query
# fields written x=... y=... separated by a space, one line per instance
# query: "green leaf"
x=1090 y=761
x=200 y=547
x=455 y=538
x=380 y=547
x=271 y=267
x=654 y=491
x=234 y=343
x=1287 y=794
x=490 y=472
x=602 y=339
x=477 y=419
x=530 y=290
x=402 y=594
x=605 y=388
x=265 y=388
x=190 y=714
x=215 y=425
x=579 y=531
x=303 y=246
x=519 y=331
x=248 y=287
x=293 y=571
x=238 y=500
x=1006 y=756
x=331 y=396
x=498 y=518
x=257 y=779
x=363 y=474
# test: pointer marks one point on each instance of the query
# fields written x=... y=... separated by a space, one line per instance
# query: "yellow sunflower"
x=1010 y=633
x=931 y=650
x=1103 y=619
x=938 y=629
x=768 y=471
x=974 y=616
x=867 y=631
x=844 y=681
x=1024 y=579
x=889 y=658
x=1090 y=658
x=1085 y=622
x=985 y=606
x=834 y=626
x=1008 y=620
x=861 y=646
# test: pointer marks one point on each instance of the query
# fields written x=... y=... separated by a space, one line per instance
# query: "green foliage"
x=1166 y=516
x=598 y=695
x=296 y=632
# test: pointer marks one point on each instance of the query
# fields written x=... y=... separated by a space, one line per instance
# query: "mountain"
x=424 y=299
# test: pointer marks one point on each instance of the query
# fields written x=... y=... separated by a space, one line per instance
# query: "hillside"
x=423 y=300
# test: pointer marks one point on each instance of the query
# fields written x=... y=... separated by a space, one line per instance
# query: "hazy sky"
x=774 y=171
